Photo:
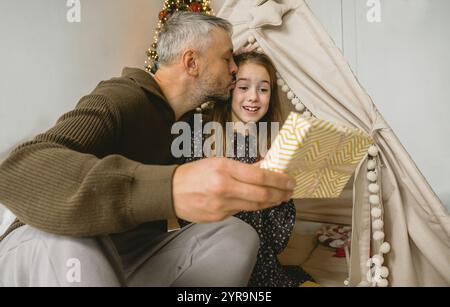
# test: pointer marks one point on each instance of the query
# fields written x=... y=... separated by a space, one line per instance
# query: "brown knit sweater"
x=105 y=167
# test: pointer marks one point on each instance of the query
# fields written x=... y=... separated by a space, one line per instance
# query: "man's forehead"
x=222 y=39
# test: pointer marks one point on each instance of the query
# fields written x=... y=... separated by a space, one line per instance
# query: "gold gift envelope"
x=319 y=154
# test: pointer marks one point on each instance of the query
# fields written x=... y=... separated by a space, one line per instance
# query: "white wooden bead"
x=374 y=200
x=376 y=275
x=371 y=165
x=204 y=105
x=285 y=88
x=373 y=151
x=290 y=95
x=251 y=39
x=369 y=275
x=295 y=101
x=378 y=235
x=346 y=282
x=280 y=82
x=255 y=45
x=385 y=248
x=372 y=176
x=382 y=283
x=375 y=212
x=377 y=224
x=260 y=50
x=378 y=260
x=307 y=114
x=198 y=109
x=300 y=107
x=384 y=272
x=374 y=188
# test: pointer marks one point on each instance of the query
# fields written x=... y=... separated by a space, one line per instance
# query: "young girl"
x=255 y=100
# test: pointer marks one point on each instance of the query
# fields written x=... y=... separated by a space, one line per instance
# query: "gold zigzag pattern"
x=319 y=154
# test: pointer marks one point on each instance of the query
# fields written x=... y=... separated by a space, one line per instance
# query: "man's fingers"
x=255 y=193
x=237 y=205
x=250 y=174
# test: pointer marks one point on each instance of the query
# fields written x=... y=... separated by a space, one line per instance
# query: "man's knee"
x=80 y=261
x=240 y=237
x=224 y=254
x=237 y=243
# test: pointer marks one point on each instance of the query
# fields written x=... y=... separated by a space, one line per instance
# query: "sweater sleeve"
x=65 y=182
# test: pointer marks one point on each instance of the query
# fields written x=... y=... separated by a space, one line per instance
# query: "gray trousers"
x=214 y=254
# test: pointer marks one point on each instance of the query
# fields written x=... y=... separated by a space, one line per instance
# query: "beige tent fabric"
x=416 y=224
x=327 y=210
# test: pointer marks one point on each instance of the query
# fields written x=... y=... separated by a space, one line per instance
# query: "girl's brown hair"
x=221 y=112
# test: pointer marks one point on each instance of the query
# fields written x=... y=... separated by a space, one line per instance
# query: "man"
x=92 y=194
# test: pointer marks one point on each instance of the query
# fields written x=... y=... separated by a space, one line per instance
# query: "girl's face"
x=251 y=95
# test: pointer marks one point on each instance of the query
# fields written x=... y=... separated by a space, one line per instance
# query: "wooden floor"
x=316 y=259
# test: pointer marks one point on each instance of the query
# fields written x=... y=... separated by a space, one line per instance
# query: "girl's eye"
x=264 y=90
x=244 y=88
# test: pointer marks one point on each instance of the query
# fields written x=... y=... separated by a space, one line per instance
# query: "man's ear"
x=190 y=62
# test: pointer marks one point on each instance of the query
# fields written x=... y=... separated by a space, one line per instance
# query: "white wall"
x=404 y=64
x=48 y=64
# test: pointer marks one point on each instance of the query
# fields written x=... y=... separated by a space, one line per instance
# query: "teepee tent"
x=401 y=230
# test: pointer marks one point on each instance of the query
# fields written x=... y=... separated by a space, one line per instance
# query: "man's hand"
x=213 y=189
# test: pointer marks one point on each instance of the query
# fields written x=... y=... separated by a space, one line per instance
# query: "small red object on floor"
x=340 y=252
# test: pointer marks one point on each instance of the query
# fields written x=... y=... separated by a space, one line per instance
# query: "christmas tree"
x=171 y=6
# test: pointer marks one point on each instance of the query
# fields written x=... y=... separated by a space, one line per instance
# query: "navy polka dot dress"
x=274 y=227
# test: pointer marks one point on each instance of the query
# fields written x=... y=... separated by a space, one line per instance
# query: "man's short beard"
x=217 y=98
x=207 y=91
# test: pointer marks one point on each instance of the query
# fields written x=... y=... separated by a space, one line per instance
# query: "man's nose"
x=233 y=67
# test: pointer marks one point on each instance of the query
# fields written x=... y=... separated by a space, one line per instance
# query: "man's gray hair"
x=187 y=30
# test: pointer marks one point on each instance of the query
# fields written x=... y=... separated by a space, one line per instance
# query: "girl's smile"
x=251 y=110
